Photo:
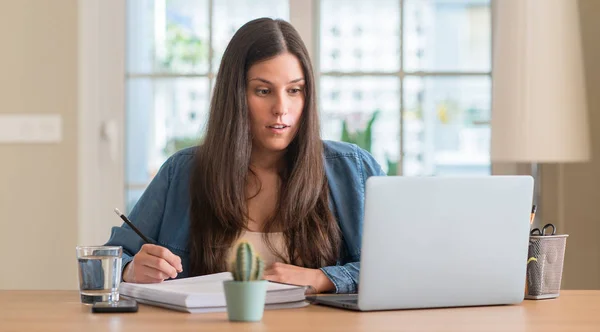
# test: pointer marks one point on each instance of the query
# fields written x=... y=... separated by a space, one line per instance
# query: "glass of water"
x=99 y=273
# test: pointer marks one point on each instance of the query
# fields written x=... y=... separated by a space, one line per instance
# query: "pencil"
x=533 y=209
x=135 y=229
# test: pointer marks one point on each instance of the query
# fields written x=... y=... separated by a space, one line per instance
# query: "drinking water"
x=99 y=274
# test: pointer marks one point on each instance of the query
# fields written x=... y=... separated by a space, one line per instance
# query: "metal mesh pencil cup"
x=544 y=272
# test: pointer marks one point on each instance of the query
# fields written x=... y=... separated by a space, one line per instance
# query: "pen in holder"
x=545 y=263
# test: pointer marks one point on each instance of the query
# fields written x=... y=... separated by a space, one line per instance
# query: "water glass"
x=99 y=273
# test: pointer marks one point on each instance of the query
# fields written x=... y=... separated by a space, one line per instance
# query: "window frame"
x=401 y=73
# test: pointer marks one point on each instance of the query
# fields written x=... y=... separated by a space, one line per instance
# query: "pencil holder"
x=545 y=266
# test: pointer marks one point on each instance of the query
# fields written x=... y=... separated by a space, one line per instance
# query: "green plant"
x=363 y=138
x=178 y=143
x=183 y=46
x=247 y=265
x=392 y=166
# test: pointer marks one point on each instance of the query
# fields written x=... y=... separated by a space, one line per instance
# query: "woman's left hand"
x=295 y=275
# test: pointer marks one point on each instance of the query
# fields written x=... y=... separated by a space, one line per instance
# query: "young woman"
x=261 y=173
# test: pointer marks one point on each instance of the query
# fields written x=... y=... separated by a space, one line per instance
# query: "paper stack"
x=206 y=294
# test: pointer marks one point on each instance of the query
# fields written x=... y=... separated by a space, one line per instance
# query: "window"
x=408 y=78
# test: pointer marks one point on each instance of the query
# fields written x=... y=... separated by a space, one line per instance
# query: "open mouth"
x=278 y=126
x=278 y=129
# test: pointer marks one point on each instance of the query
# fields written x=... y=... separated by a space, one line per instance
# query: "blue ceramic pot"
x=245 y=299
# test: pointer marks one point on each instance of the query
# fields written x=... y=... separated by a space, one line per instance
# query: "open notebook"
x=206 y=294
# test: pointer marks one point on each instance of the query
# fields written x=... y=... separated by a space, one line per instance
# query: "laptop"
x=431 y=242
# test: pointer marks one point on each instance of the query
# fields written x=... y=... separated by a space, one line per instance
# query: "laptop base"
x=349 y=301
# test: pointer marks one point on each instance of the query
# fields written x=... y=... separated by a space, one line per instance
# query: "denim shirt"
x=162 y=212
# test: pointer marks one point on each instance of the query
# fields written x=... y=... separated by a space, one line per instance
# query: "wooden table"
x=61 y=311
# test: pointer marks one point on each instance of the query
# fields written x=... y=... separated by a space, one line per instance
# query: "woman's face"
x=275 y=96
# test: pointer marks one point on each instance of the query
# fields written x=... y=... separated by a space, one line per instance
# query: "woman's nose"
x=281 y=106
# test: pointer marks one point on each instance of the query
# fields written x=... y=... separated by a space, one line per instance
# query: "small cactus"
x=247 y=265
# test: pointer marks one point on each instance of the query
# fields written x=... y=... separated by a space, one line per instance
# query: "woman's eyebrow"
x=269 y=82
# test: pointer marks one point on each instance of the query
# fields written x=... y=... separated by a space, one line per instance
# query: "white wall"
x=571 y=193
x=38 y=183
x=62 y=57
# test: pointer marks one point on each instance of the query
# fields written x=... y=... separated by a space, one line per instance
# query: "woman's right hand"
x=152 y=264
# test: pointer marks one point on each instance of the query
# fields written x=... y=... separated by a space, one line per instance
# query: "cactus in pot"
x=245 y=295
x=247 y=266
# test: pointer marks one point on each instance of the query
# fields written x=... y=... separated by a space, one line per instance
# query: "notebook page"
x=208 y=289
x=203 y=291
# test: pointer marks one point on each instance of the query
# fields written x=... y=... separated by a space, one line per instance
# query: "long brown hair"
x=218 y=212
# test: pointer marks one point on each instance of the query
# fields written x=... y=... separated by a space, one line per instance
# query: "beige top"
x=260 y=246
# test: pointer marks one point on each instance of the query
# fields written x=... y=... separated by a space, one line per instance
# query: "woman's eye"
x=262 y=92
x=295 y=90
